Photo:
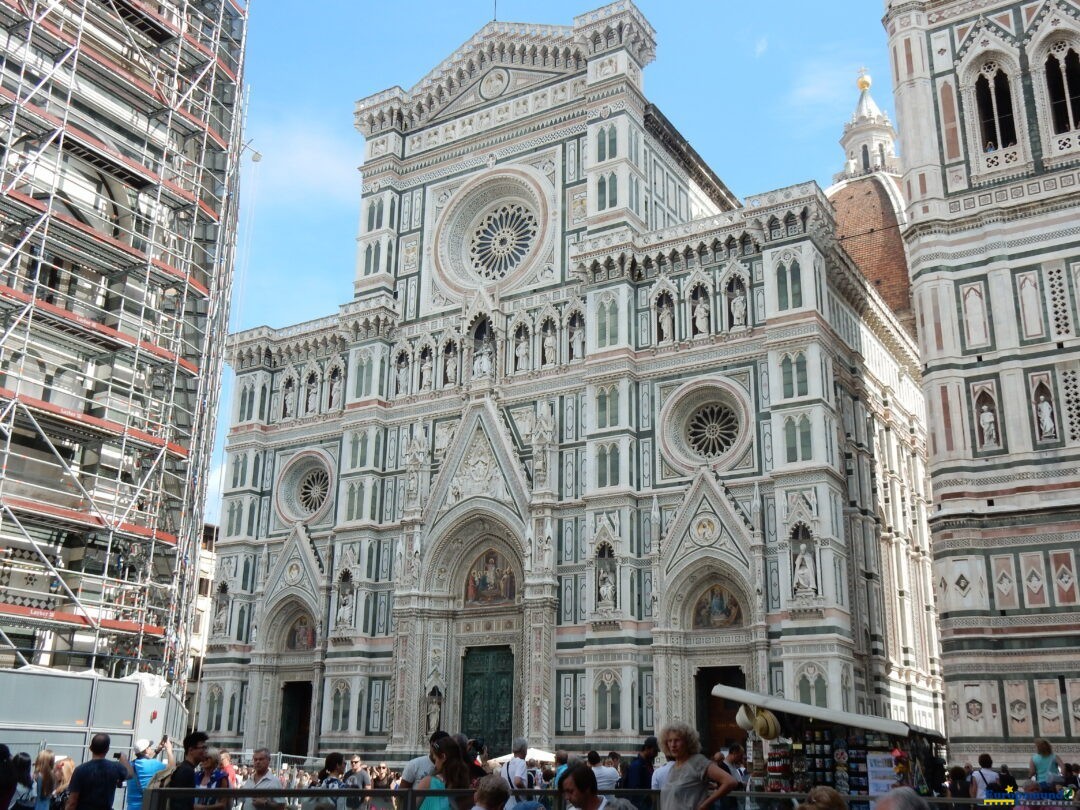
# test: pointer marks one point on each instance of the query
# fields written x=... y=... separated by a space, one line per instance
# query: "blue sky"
x=761 y=91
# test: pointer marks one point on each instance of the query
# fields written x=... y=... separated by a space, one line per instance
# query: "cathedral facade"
x=988 y=101
x=591 y=436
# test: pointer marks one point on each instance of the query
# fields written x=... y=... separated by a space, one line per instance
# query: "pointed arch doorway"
x=487 y=696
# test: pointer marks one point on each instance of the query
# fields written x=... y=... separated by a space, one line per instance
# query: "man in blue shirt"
x=146 y=764
x=94 y=783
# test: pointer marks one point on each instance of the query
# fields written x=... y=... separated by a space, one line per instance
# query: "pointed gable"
x=297 y=570
x=707 y=524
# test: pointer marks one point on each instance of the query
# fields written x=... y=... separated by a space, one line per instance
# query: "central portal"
x=716 y=716
x=487 y=696
x=295 y=717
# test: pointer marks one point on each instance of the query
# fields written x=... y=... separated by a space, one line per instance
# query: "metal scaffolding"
x=120 y=129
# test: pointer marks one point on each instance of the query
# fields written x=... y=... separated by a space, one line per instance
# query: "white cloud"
x=303 y=162
x=761 y=46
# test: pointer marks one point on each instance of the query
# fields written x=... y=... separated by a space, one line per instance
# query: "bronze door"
x=487 y=697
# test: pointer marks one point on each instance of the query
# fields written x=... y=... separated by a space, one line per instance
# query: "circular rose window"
x=494 y=231
x=705 y=422
x=502 y=240
x=712 y=429
x=304 y=486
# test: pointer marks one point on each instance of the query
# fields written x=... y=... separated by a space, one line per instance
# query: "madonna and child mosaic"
x=490 y=580
x=716 y=608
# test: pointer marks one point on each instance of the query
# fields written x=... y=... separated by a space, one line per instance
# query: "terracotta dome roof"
x=867 y=223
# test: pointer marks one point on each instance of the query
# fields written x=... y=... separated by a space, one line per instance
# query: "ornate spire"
x=869 y=139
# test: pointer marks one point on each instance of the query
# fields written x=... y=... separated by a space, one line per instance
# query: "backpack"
x=161 y=779
x=24 y=800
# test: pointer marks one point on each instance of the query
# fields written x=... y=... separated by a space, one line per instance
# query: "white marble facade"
x=585 y=406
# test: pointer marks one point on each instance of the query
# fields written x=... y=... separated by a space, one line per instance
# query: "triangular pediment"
x=707 y=525
x=296 y=569
x=480 y=463
x=498 y=61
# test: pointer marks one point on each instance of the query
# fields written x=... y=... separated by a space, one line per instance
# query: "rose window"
x=502 y=240
x=313 y=490
x=712 y=429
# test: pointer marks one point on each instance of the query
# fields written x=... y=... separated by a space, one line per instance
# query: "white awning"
x=865 y=721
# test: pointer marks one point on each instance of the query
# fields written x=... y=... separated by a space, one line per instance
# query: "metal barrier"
x=411 y=799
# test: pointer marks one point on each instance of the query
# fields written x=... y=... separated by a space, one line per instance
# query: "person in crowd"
x=261 y=778
x=358 y=777
x=1069 y=775
x=959 y=786
x=515 y=771
x=382 y=779
x=607 y=778
x=25 y=796
x=331 y=777
x=1006 y=780
x=419 y=767
x=823 y=798
x=732 y=762
x=211 y=776
x=983 y=778
x=195 y=745
x=43 y=779
x=93 y=784
x=902 y=798
x=640 y=770
x=562 y=762
x=475 y=756
x=7 y=776
x=579 y=790
x=660 y=775
x=1045 y=766
x=687 y=786
x=62 y=772
x=451 y=773
x=228 y=767
x=145 y=765
x=615 y=760
x=491 y=793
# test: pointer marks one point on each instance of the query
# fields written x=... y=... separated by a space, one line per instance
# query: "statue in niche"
x=403 y=377
x=425 y=371
x=521 y=352
x=311 y=403
x=221 y=609
x=544 y=428
x=434 y=714
x=345 y=602
x=550 y=346
x=716 y=608
x=1044 y=410
x=577 y=341
x=804 y=578
x=450 y=367
x=483 y=359
x=606 y=589
x=666 y=320
x=332 y=399
x=738 y=307
x=701 y=315
x=287 y=399
x=988 y=426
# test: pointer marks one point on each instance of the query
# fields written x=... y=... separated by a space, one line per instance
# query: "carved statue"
x=425 y=372
x=1047 y=419
x=701 y=316
x=521 y=353
x=345 y=603
x=667 y=322
x=606 y=589
x=450 y=369
x=287 y=400
x=544 y=428
x=221 y=611
x=434 y=714
x=805 y=580
x=550 y=347
x=482 y=360
x=332 y=400
x=577 y=342
x=311 y=403
x=403 y=378
x=988 y=423
x=738 y=308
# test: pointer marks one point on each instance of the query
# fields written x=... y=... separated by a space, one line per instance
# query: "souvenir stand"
x=797 y=746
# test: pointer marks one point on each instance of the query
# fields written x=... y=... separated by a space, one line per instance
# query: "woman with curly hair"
x=687 y=786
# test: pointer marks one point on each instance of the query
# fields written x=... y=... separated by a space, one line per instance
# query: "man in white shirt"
x=606 y=778
x=983 y=777
x=515 y=771
x=660 y=775
x=262 y=778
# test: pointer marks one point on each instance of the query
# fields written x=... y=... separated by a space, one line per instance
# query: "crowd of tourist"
x=460 y=767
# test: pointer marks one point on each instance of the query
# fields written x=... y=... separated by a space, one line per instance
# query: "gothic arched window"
x=1063 y=87
x=339 y=708
x=993 y=100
